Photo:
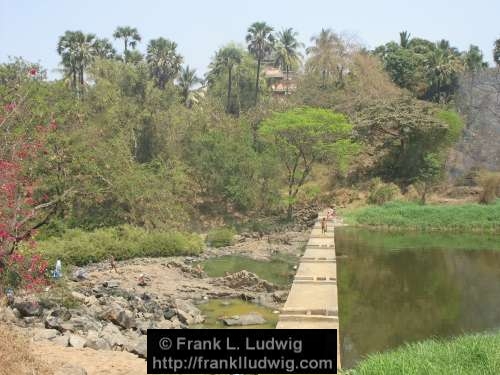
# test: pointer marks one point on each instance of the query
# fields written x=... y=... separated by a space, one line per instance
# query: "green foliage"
x=455 y=125
x=429 y=70
x=304 y=136
x=78 y=247
x=231 y=78
x=407 y=134
x=478 y=353
x=381 y=192
x=163 y=60
x=496 y=52
x=220 y=237
x=399 y=215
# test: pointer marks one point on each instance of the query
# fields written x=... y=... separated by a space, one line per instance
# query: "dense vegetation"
x=126 y=140
x=464 y=355
x=123 y=242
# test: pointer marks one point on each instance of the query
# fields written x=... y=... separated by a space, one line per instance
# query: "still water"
x=397 y=288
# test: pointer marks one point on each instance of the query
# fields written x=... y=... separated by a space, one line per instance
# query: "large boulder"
x=40 y=334
x=113 y=336
x=9 y=315
x=188 y=313
x=79 y=274
x=28 y=308
x=95 y=342
x=76 y=341
x=141 y=348
x=61 y=340
x=122 y=318
x=244 y=320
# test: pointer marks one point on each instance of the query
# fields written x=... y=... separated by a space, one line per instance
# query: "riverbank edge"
x=380 y=217
x=471 y=353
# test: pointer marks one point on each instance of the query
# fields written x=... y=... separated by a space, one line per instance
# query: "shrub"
x=490 y=182
x=381 y=193
x=19 y=271
x=220 y=237
x=124 y=242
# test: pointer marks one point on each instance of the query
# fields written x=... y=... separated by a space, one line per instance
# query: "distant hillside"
x=478 y=100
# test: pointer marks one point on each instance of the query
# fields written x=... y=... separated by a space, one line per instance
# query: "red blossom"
x=33 y=71
x=10 y=107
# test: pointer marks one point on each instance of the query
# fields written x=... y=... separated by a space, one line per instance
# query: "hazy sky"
x=30 y=28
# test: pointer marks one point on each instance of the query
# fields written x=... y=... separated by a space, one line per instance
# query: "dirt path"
x=95 y=362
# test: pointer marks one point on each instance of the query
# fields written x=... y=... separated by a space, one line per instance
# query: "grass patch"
x=124 y=242
x=404 y=215
x=279 y=270
x=469 y=354
x=220 y=237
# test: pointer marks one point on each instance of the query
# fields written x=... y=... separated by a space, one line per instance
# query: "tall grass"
x=469 y=354
x=413 y=216
x=124 y=242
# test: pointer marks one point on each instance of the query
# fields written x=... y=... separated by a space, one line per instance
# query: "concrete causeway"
x=313 y=300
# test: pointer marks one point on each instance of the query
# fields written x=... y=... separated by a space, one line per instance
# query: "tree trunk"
x=73 y=81
x=229 y=86
x=286 y=87
x=257 y=81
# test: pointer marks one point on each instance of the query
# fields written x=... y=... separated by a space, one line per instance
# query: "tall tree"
x=473 y=59
x=260 y=43
x=187 y=79
x=443 y=65
x=104 y=49
x=77 y=51
x=130 y=37
x=327 y=55
x=303 y=137
x=287 y=52
x=404 y=39
x=163 y=60
x=225 y=60
x=496 y=52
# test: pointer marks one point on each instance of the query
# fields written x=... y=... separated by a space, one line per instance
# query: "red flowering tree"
x=22 y=206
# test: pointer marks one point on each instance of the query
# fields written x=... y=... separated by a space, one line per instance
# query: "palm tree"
x=323 y=53
x=442 y=67
x=77 y=51
x=130 y=37
x=187 y=79
x=163 y=60
x=287 y=54
x=260 y=43
x=473 y=59
x=225 y=59
x=496 y=52
x=104 y=49
x=404 y=39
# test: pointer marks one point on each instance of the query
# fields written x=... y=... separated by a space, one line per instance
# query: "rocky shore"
x=102 y=309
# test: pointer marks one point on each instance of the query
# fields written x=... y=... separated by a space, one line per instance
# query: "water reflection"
x=397 y=288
